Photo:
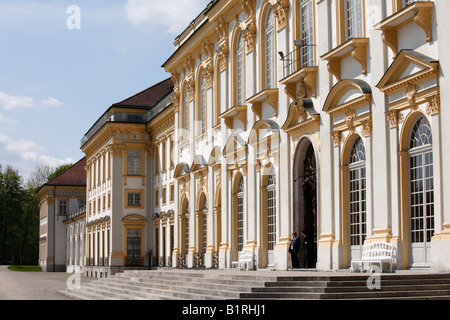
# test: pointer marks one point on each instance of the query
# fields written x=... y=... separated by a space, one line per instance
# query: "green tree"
x=58 y=171
x=11 y=193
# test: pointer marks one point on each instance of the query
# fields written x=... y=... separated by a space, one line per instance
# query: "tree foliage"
x=19 y=216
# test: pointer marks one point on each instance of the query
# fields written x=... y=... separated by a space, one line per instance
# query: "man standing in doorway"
x=294 y=249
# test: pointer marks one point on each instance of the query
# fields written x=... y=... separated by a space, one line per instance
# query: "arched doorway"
x=305 y=197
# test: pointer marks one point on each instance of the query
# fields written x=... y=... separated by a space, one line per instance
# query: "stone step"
x=210 y=285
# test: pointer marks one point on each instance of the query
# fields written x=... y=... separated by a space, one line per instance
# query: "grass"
x=25 y=268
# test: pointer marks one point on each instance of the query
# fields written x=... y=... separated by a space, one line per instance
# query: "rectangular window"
x=353 y=19
x=163 y=195
x=62 y=207
x=156 y=197
x=306 y=33
x=134 y=199
x=134 y=162
x=172 y=193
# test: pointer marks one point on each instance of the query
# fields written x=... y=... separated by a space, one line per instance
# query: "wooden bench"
x=245 y=261
x=375 y=253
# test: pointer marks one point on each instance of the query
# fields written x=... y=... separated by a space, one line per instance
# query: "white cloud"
x=9 y=102
x=175 y=15
x=24 y=155
x=6 y=120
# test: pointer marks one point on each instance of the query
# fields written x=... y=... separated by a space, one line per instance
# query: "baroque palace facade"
x=280 y=116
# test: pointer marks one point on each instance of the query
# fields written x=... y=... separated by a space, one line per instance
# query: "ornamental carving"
x=410 y=93
x=350 y=116
x=281 y=11
x=434 y=105
x=336 y=136
x=367 y=128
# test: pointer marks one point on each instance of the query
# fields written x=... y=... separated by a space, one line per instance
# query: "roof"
x=149 y=97
x=74 y=176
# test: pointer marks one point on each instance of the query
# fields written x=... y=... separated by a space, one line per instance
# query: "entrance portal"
x=305 y=199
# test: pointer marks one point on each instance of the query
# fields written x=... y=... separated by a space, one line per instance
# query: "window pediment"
x=236 y=146
x=409 y=68
x=302 y=116
x=181 y=170
x=348 y=95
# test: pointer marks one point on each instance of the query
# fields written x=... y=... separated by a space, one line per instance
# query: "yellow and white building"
x=288 y=115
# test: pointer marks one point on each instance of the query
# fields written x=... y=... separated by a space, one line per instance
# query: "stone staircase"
x=233 y=285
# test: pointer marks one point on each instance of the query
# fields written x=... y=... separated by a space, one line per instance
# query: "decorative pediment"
x=302 y=116
x=265 y=138
x=410 y=68
x=236 y=146
x=181 y=170
x=198 y=164
x=347 y=96
x=215 y=156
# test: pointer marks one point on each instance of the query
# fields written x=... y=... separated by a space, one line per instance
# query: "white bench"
x=375 y=253
x=245 y=261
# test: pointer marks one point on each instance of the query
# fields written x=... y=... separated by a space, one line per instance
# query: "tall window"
x=271 y=212
x=270 y=50
x=306 y=33
x=63 y=207
x=186 y=113
x=240 y=71
x=421 y=182
x=240 y=215
x=357 y=189
x=353 y=19
x=202 y=105
x=186 y=228
x=204 y=225
x=134 y=162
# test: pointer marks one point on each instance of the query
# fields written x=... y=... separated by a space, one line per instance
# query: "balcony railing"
x=76 y=214
x=301 y=57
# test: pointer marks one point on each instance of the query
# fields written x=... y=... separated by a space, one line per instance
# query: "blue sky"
x=55 y=82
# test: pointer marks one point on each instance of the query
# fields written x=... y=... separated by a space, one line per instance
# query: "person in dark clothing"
x=307 y=247
x=294 y=248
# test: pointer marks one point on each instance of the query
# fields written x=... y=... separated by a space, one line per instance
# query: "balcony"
x=300 y=71
x=73 y=216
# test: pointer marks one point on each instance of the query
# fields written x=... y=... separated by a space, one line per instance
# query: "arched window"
x=421 y=190
x=357 y=195
x=240 y=215
x=202 y=105
x=240 y=71
x=270 y=50
x=271 y=212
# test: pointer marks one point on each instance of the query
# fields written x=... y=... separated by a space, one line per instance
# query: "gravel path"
x=31 y=285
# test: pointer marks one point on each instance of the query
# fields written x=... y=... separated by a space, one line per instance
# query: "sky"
x=63 y=63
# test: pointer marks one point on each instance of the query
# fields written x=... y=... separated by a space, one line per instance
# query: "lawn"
x=25 y=268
